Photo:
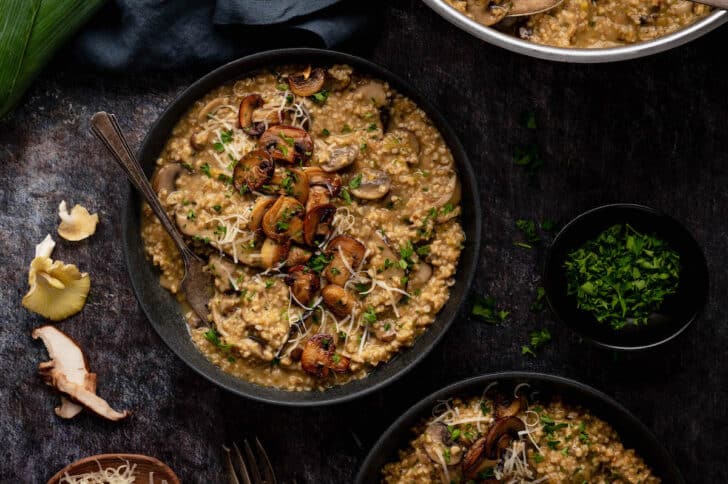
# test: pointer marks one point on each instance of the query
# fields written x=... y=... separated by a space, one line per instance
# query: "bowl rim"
x=170 y=474
x=419 y=409
x=465 y=170
x=653 y=212
x=581 y=55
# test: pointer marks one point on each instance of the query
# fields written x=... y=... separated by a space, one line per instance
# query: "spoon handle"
x=106 y=128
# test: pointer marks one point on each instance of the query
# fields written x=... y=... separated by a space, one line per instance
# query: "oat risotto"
x=494 y=438
x=327 y=205
x=585 y=23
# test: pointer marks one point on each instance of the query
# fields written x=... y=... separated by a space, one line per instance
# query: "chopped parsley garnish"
x=538 y=304
x=583 y=435
x=282 y=87
x=553 y=444
x=484 y=408
x=485 y=308
x=537 y=339
x=325 y=132
x=372 y=127
x=213 y=337
x=528 y=228
x=318 y=262
x=529 y=158
x=548 y=225
x=220 y=230
x=345 y=195
x=288 y=139
x=206 y=169
x=622 y=276
x=269 y=283
x=529 y=120
x=226 y=136
x=369 y=315
x=346 y=129
x=219 y=147
x=321 y=96
x=355 y=182
x=191 y=215
x=217 y=208
x=538 y=458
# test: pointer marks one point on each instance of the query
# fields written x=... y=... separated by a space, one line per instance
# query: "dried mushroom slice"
x=287 y=143
x=253 y=171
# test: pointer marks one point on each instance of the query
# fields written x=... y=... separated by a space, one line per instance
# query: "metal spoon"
x=197 y=284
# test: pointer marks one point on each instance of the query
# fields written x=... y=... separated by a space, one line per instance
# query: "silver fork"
x=255 y=468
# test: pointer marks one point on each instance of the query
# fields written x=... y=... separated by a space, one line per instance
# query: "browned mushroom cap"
x=317 y=224
x=289 y=181
x=166 y=176
x=253 y=171
x=339 y=301
x=297 y=256
x=509 y=408
x=476 y=460
x=273 y=253
x=308 y=82
x=319 y=356
x=261 y=206
x=287 y=143
x=489 y=13
x=284 y=220
x=304 y=283
x=317 y=196
x=372 y=184
x=500 y=435
x=337 y=271
x=249 y=104
x=319 y=178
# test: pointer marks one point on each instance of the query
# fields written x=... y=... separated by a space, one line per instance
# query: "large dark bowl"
x=675 y=313
x=632 y=432
x=165 y=313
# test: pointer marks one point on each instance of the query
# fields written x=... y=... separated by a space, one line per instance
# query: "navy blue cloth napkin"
x=166 y=34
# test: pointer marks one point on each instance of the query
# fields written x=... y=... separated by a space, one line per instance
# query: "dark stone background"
x=652 y=131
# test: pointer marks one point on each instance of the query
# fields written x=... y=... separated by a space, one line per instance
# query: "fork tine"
x=241 y=465
x=253 y=465
x=232 y=478
x=270 y=477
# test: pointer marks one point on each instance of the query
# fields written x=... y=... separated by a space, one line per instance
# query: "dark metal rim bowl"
x=633 y=433
x=579 y=56
x=677 y=312
x=164 y=312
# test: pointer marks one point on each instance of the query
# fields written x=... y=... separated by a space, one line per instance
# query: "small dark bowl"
x=676 y=312
x=633 y=434
x=165 y=313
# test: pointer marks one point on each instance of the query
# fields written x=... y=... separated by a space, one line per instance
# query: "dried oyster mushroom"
x=77 y=225
x=57 y=290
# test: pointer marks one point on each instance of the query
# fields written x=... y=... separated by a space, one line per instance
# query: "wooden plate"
x=144 y=465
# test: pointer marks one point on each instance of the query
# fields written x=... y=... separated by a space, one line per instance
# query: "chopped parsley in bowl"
x=625 y=277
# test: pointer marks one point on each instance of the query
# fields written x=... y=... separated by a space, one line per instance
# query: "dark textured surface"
x=651 y=131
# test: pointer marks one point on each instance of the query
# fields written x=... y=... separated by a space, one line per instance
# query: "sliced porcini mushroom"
x=70 y=360
x=476 y=461
x=287 y=143
x=260 y=207
x=304 y=283
x=253 y=171
x=320 y=178
x=339 y=301
x=248 y=105
x=297 y=256
x=284 y=220
x=57 y=290
x=308 y=82
x=346 y=255
x=210 y=108
x=317 y=224
x=78 y=224
x=420 y=274
x=224 y=271
x=165 y=177
x=317 y=196
x=272 y=253
x=373 y=91
x=406 y=140
x=384 y=331
x=373 y=184
x=290 y=181
x=505 y=408
x=319 y=357
x=438 y=441
x=63 y=372
x=339 y=157
x=500 y=435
